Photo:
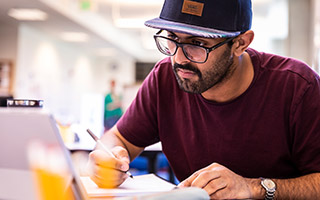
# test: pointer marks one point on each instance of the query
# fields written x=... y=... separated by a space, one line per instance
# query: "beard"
x=218 y=73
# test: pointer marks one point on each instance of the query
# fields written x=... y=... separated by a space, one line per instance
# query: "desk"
x=151 y=153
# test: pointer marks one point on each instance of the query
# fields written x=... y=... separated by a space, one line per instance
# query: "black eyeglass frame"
x=208 y=49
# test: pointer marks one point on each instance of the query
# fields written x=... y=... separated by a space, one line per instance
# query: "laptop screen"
x=19 y=127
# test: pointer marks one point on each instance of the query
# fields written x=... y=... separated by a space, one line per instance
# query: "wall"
x=8 y=41
x=65 y=75
x=300 y=39
x=316 y=35
x=270 y=25
x=8 y=53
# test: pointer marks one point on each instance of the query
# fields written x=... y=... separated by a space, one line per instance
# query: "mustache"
x=187 y=67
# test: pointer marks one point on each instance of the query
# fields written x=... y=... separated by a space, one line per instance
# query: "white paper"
x=143 y=184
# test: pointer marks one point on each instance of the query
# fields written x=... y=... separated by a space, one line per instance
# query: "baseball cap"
x=204 y=18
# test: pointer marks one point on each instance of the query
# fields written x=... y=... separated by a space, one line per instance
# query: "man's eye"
x=173 y=37
x=198 y=43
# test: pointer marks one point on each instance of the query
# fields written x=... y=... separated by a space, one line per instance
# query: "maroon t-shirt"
x=271 y=130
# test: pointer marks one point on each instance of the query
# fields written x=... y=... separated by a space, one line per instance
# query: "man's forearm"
x=114 y=138
x=111 y=139
x=305 y=187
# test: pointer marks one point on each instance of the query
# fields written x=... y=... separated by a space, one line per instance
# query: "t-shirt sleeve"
x=139 y=123
x=306 y=129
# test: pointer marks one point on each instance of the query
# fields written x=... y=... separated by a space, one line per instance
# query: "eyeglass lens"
x=192 y=52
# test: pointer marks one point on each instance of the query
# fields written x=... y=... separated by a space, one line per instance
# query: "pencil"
x=98 y=141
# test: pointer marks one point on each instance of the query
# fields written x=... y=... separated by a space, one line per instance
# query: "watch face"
x=269 y=183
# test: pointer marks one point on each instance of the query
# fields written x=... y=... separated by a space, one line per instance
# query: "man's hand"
x=219 y=182
x=106 y=171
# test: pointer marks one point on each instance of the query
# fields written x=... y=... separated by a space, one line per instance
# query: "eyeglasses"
x=193 y=52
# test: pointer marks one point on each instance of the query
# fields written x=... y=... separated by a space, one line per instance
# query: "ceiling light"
x=74 y=36
x=27 y=14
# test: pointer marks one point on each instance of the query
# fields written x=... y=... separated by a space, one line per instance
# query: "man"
x=226 y=114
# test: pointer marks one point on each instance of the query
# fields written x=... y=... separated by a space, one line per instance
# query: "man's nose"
x=179 y=57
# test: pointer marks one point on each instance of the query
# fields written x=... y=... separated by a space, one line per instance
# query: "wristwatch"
x=270 y=188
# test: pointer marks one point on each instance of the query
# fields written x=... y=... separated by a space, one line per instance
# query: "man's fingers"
x=188 y=181
x=204 y=178
x=215 y=186
x=219 y=182
x=106 y=175
x=121 y=154
x=101 y=158
x=183 y=184
x=106 y=181
x=99 y=155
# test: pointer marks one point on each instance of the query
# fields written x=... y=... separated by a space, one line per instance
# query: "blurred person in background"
x=112 y=107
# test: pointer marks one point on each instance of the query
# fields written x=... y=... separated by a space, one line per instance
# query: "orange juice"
x=51 y=174
x=52 y=186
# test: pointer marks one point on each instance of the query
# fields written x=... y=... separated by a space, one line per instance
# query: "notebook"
x=139 y=185
x=19 y=126
x=144 y=187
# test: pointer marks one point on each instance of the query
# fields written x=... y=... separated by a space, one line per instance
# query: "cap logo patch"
x=192 y=8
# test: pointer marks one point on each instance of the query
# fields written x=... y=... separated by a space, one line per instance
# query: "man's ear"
x=242 y=42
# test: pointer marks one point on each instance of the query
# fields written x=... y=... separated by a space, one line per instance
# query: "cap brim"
x=159 y=23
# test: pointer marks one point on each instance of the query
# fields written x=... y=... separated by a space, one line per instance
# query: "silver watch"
x=270 y=188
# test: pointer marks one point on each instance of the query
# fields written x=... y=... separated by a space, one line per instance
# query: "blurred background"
x=66 y=52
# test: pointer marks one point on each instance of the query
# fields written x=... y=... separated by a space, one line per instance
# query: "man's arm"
x=222 y=183
x=114 y=138
x=304 y=187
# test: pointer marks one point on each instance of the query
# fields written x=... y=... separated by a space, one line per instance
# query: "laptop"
x=19 y=126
